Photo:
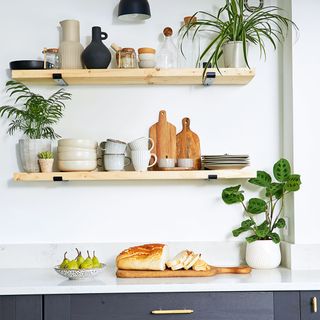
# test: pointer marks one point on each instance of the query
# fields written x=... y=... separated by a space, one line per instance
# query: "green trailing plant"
x=45 y=155
x=34 y=115
x=234 y=22
x=271 y=204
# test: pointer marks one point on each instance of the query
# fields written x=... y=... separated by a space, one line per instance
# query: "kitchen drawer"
x=205 y=306
x=20 y=307
x=307 y=305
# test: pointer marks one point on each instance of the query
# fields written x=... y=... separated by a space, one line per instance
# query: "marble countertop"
x=47 y=281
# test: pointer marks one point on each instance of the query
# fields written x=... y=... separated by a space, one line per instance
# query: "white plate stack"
x=225 y=161
x=77 y=155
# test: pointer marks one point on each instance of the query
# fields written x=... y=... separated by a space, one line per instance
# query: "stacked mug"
x=141 y=155
x=114 y=157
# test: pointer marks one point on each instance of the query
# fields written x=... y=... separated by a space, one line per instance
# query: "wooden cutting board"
x=182 y=273
x=163 y=134
x=188 y=144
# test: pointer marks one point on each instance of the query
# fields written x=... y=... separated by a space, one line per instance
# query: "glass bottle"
x=189 y=45
x=126 y=58
x=51 y=55
x=168 y=53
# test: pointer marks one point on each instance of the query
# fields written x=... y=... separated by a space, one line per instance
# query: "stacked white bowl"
x=77 y=155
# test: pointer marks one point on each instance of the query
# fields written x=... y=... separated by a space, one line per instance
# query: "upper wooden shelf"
x=245 y=173
x=239 y=76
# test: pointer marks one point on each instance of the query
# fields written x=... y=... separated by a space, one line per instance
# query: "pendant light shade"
x=134 y=10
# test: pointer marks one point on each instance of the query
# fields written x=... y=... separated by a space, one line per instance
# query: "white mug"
x=141 y=159
x=142 y=144
x=116 y=162
x=113 y=146
x=185 y=163
x=166 y=163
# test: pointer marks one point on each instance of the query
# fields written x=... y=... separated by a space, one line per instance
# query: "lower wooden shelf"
x=132 y=175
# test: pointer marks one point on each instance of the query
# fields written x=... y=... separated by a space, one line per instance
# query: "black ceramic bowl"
x=28 y=64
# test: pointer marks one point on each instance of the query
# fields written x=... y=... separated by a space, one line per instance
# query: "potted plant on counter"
x=263 y=245
x=34 y=116
x=234 y=27
x=46 y=159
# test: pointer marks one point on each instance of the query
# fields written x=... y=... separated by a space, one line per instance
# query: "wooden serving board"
x=182 y=273
x=188 y=144
x=163 y=134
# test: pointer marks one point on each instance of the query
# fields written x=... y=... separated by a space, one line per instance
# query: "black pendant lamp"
x=134 y=10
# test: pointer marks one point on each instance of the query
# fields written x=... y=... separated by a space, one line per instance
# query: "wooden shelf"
x=132 y=175
x=228 y=76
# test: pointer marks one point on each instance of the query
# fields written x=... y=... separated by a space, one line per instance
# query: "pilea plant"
x=271 y=204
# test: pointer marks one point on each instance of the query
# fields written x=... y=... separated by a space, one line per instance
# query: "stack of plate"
x=225 y=161
x=77 y=155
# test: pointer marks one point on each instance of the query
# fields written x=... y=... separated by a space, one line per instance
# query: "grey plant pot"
x=233 y=55
x=29 y=150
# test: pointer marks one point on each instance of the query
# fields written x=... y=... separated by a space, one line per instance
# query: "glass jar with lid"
x=126 y=58
x=51 y=55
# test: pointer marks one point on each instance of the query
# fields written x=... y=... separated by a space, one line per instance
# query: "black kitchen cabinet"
x=21 y=308
x=310 y=303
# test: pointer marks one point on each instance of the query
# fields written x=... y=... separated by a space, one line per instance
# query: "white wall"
x=233 y=119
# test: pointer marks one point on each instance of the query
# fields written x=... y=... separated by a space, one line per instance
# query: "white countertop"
x=47 y=281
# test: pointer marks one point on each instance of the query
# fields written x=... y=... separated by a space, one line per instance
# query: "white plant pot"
x=46 y=165
x=263 y=254
x=29 y=150
x=233 y=55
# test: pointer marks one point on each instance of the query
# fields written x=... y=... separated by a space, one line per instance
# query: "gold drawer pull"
x=314 y=303
x=184 y=311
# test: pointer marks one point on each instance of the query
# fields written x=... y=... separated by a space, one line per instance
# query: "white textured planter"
x=233 y=55
x=29 y=150
x=263 y=254
x=46 y=165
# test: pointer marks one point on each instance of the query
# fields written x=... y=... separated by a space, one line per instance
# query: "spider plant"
x=234 y=22
x=34 y=115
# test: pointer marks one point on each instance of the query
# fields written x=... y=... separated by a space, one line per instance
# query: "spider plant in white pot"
x=234 y=27
x=34 y=116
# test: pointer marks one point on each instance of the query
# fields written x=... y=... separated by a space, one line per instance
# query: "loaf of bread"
x=145 y=257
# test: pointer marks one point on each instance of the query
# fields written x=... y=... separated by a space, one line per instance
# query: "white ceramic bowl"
x=80 y=273
x=147 y=64
x=77 y=165
x=78 y=143
x=75 y=149
x=147 y=56
x=77 y=155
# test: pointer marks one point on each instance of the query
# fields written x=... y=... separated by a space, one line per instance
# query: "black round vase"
x=96 y=55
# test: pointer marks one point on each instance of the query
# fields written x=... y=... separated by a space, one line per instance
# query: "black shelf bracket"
x=209 y=78
x=212 y=177
x=57 y=77
x=58 y=179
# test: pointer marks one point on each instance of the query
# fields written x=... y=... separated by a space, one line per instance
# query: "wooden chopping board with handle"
x=188 y=144
x=168 y=273
x=163 y=134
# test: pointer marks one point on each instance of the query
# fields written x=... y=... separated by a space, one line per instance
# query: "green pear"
x=87 y=264
x=80 y=258
x=64 y=262
x=72 y=265
x=95 y=261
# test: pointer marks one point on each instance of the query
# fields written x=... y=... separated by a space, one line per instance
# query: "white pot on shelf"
x=263 y=254
x=233 y=55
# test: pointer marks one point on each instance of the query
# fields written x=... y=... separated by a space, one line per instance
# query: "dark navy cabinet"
x=310 y=304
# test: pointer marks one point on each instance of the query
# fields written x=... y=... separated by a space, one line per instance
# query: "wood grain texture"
x=164 y=134
x=188 y=144
x=182 y=273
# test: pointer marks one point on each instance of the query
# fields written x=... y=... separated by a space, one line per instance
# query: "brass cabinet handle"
x=184 y=311
x=314 y=303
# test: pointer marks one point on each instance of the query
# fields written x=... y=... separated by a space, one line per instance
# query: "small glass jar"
x=126 y=58
x=51 y=55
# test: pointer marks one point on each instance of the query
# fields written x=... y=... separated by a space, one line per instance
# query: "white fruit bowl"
x=80 y=273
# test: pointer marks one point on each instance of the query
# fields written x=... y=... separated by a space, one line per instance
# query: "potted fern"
x=263 y=249
x=34 y=116
x=234 y=27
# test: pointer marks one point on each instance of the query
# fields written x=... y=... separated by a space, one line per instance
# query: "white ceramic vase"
x=263 y=254
x=29 y=150
x=233 y=55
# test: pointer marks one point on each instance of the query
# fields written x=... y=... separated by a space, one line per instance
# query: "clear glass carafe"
x=168 y=54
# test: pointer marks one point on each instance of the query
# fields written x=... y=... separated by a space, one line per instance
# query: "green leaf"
x=252 y=238
x=263 y=179
x=282 y=170
x=232 y=195
x=274 y=237
x=247 y=223
x=240 y=230
x=275 y=190
x=281 y=223
x=262 y=230
x=256 y=206
x=293 y=183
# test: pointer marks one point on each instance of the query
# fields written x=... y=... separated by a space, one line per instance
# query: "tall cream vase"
x=70 y=46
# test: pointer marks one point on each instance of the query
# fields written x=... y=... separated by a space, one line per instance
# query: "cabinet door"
x=205 y=306
x=286 y=305
x=20 y=307
x=310 y=305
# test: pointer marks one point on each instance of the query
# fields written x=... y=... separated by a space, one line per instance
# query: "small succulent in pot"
x=46 y=159
x=271 y=205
